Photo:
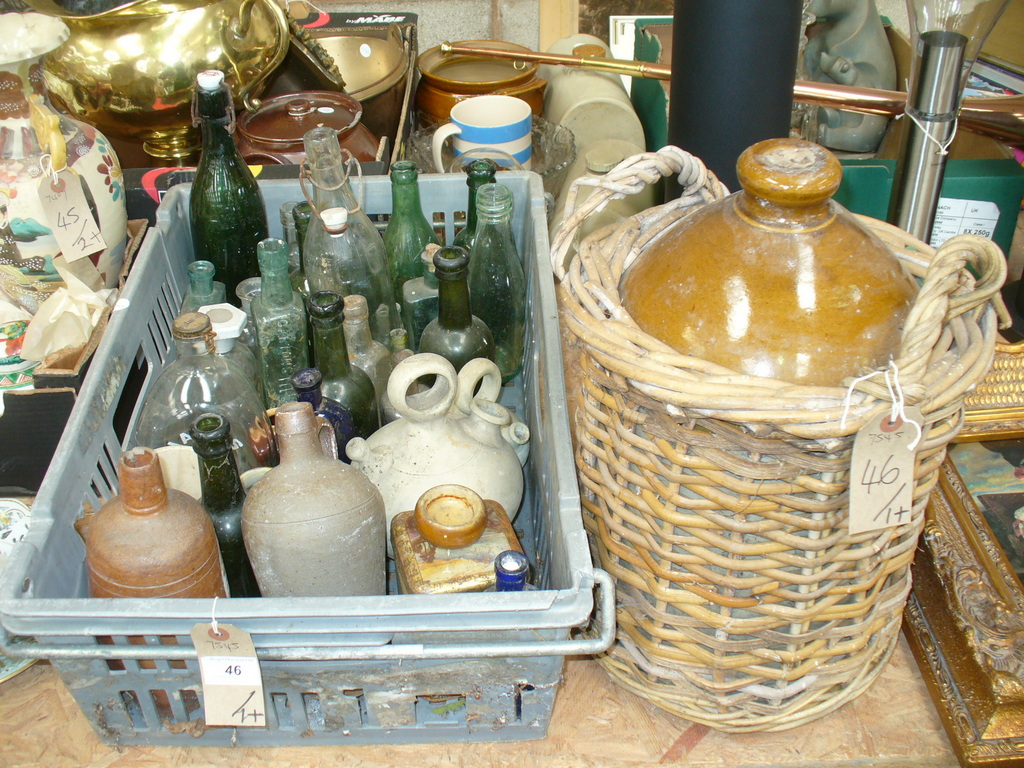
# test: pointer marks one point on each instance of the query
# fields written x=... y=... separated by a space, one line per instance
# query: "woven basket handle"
x=632 y=175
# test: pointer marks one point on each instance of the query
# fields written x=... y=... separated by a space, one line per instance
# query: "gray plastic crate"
x=473 y=667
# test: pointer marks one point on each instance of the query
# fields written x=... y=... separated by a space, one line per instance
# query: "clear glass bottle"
x=365 y=352
x=399 y=352
x=280 y=324
x=313 y=525
x=227 y=214
x=199 y=381
x=223 y=496
x=348 y=255
x=301 y=213
x=291 y=236
x=229 y=323
x=246 y=291
x=307 y=385
x=455 y=334
x=419 y=298
x=408 y=231
x=342 y=381
x=497 y=283
x=478 y=173
x=202 y=288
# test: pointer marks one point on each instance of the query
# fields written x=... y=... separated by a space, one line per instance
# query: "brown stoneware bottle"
x=313 y=525
x=151 y=541
x=777 y=280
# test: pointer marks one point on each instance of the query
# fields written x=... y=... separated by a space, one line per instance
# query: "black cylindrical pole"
x=733 y=69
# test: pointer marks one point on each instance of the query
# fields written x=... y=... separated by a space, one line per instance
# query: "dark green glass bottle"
x=497 y=283
x=408 y=231
x=455 y=334
x=419 y=299
x=342 y=381
x=228 y=217
x=280 y=322
x=478 y=173
x=223 y=496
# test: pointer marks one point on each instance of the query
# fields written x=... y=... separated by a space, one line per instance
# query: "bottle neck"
x=312 y=395
x=358 y=335
x=189 y=347
x=331 y=188
x=300 y=446
x=405 y=197
x=330 y=348
x=218 y=476
x=453 y=304
x=217 y=140
x=275 y=288
x=142 y=489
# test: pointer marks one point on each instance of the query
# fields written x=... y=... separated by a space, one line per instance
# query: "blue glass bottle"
x=306 y=384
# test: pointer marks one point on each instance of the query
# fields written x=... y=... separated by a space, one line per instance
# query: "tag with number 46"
x=882 y=472
x=232 y=683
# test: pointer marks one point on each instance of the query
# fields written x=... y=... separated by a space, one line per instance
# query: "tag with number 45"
x=69 y=215
x=882 y=472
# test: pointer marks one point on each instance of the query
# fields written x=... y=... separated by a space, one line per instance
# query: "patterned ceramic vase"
x=34 y=140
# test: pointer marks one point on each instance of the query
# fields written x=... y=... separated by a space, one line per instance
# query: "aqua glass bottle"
x=478 y=173
x=497 y=283
x=419 y=298
x=200 y=380
x=365 y=352
x=342 y=381
x=456 y=334
x=280 y=324
x=408 y=231
x=223 y=496
x=307 y=384
x=202 y=288
x=226 y=208
x=350 y=257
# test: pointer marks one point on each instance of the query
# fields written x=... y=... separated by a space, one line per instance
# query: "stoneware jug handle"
x=432 y=404
x=479 y=372
x=328 y=438
x=437 y=143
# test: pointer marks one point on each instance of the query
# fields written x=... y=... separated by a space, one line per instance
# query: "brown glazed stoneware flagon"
x=151 y=541
x=777 y=280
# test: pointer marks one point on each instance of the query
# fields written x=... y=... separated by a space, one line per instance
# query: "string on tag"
x=213 y=617
x=898 y=408
x=46 y=166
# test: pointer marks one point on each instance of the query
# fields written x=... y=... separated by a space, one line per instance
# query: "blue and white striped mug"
x=503 y=123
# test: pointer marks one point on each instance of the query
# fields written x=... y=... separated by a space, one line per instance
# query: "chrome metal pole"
x=932 y=107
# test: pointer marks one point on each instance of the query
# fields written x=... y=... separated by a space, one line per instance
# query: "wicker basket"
x=719 y=500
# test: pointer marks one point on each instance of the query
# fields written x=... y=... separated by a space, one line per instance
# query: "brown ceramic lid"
x=284 y=120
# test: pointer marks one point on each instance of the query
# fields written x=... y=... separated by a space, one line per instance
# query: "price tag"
x=69 y=215
x=882 y=472
x=232 y=683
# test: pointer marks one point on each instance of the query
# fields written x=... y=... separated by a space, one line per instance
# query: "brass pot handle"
x=241 y=27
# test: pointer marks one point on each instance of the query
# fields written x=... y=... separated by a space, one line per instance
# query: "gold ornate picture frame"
x=964 y=619
x=995 y=408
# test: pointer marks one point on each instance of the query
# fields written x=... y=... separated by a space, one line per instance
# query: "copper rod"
x=998 y=117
